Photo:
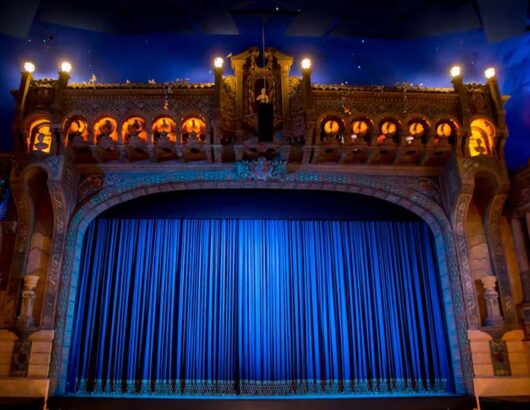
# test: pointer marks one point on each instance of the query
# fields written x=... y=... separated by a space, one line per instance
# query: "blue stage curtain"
x=258 y=307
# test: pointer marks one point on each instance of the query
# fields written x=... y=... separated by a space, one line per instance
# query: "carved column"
x=518 y=232
x=491 y=297
x=499 y=262
x=216 y=112
x=22 y=241
x=20 y=111
x=308 y=104
x=284 y=81
x=465 y=106
x=521 y=234
x=25 y=319
x=462 y=202
x=238 y=70
x=57 y=145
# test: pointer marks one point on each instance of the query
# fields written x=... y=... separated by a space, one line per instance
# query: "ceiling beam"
x=504 y=19
x=16 y=16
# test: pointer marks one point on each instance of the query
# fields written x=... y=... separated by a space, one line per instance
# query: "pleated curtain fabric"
x=258 y=307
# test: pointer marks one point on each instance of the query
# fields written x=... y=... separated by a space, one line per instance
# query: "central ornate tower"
x=250 y=79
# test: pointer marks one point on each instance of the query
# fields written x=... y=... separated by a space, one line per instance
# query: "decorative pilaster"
x=491 y=297
x=25 y=319
x=238 y=70
x=522 y=256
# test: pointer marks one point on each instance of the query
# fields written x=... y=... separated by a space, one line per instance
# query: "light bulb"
x=218 y=62
x=66 y=67
x=29 y=67
x=456 y=71
x=489 y=72
x=306 y=63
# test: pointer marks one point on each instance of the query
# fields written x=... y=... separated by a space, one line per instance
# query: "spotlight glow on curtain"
x=258 y=307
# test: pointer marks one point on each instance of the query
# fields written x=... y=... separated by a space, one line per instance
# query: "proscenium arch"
x=426 y=209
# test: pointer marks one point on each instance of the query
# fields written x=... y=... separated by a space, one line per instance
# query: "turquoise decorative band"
x=256 y=387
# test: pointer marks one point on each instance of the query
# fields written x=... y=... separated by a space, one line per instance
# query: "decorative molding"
x=57 y=196
x=466 y=277
x=499 y=358
x=20 y=358
x=89 y=186
x=261 y=170
x=494 y=214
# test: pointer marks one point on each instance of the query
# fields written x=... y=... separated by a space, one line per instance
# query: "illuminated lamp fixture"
x=306 y=64
x=456 y=71
x=353 y=137
x=218 y=62
x=409 y=139
x=489 y=72
x=66 y=67
x=29 y=67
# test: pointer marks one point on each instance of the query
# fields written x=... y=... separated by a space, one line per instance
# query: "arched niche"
x=164 y=129
x=389 y=130
x=480 y=262
x=418 y=130
x=331 y=129
x=193 y=128
x=259 y=85
x=481 y=142
x=41 y=232
x=106 y=130
x=39 y=135
x=446 y=131
x=361 y=130
x=75 y=130
x=133 y=130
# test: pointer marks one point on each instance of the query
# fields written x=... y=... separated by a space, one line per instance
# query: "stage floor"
x=387 y=403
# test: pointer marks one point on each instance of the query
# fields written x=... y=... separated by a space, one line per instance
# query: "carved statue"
x=252 y=58
x=107 y=128
x=76 y=133
x=162 y=131
x=25 y=319
x=270 y=60
x=105 y=132
x=479 y=148
x=41 y=145
x=134 y=131
x=263 y=98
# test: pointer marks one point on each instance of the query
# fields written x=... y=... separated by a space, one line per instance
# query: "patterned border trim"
x=257 y=387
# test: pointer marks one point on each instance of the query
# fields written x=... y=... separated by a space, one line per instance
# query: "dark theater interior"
x=259 y=204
